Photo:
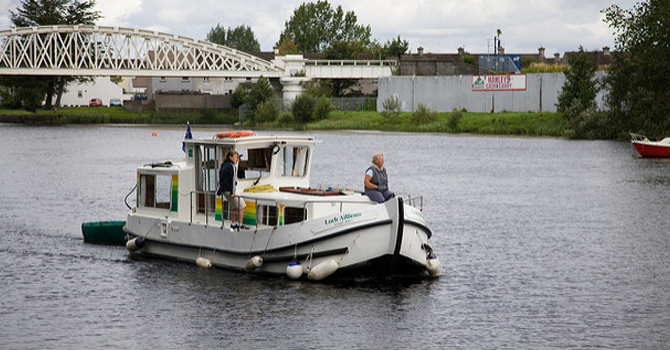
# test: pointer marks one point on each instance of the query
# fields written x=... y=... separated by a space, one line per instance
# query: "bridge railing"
x=391 y=63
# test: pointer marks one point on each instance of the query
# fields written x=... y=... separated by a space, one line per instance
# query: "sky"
x=439 y=26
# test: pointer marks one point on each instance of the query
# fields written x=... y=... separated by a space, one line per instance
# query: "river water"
x=545 y=244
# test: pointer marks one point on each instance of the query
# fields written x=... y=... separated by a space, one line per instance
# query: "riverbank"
x=504 y=123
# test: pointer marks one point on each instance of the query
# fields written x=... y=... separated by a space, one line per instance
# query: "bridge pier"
x=294 y=76
x=292 y=87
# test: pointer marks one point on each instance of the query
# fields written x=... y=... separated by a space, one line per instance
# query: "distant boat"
x=651 y=149
x=104 y=232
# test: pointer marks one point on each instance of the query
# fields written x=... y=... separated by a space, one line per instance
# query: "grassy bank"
x=504 y=123
x=115 y=115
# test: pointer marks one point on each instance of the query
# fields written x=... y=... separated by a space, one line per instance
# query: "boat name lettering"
x=342 y=218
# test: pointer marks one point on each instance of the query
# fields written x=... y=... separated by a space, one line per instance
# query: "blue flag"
x=187 y=136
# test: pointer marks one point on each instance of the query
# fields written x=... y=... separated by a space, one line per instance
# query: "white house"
x=80 y=94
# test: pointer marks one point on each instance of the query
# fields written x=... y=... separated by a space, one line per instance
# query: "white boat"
x=291 y=229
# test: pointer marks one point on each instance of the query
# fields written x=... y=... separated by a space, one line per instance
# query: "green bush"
x=454 y=119
x=208 y=115
x=424 y=115
x=322 y=108
x=285 y=119
x=303 y=107
x=470 y=59
x=391 y=107
x=267 y=111
x=238 y=97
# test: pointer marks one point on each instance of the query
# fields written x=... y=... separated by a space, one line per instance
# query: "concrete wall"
x=444 y=93
x=214 y=86
x=190 y=102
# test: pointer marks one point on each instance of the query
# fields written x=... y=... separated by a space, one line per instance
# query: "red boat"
x=651 y=149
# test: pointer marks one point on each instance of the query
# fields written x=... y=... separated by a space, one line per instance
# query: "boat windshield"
x=255 y=162
x=293 y=161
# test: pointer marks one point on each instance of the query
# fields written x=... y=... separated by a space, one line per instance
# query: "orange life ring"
x=235 y=134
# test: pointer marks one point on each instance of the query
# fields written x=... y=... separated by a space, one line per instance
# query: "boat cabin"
x=187 y=190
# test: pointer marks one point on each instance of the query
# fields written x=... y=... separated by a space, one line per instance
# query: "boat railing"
x=638 y=137
x=416 y=202
x=207 y=207
x=273 y=220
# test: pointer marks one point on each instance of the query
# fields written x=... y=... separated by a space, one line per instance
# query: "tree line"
x=637 y=84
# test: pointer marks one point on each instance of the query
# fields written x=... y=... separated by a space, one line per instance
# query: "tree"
x=580 y=84
x=287 y=47
x=217 y=35
x=395 y=48
x=303 y=108
x=56 y=12
x=314 y=27
x=260 y=92
x=241 y=38
x=639 y=88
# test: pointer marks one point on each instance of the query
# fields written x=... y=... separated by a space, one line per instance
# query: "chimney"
x=419 y=50
x=461 y=51
x=557 y=57
x=606 y=50
x=541 y=52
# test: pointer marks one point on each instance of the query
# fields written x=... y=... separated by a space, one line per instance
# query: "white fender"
x=203 y=262
x=323 y=270
x=433 y=266
x=253 y=263
x=294 y=270
x=136 y=243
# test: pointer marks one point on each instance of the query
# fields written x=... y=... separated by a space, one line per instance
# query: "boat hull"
x=378 y=241
x=648 y=149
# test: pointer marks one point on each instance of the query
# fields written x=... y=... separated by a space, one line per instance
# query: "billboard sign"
x=508 y=82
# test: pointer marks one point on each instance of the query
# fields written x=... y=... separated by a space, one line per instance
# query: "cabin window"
x=254 y=163
x=293 y=161
x=155 y=191
x=293 y=215
x=267 y=215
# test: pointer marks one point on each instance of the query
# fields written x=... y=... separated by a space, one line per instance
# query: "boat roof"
x=251 y=140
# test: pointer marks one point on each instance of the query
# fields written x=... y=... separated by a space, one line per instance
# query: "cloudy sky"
x=439 y=26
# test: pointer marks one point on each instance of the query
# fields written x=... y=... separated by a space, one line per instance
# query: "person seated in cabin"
x=227 y=184
x=376 y=180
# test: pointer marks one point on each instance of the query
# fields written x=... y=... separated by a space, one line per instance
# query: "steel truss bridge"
x=82 y=50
